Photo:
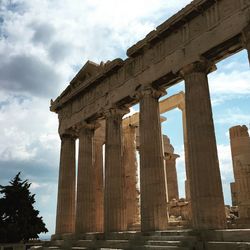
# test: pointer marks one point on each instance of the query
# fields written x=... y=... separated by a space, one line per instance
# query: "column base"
x=55 y=237
x=63 y=236
x=242 y=223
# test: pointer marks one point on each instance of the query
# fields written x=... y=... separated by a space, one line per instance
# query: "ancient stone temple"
x=101 y=209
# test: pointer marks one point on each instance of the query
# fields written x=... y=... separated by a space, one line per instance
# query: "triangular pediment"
x=87 y=71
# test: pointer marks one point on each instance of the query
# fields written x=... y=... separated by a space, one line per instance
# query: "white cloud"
x=226 y=170
x=235 y=82
x=224 y=154
x=181 y=171
x=35 y=185
x=15 y=145
x=230 y=81
x=132 y=111
x=24 y=123
x=233 y=117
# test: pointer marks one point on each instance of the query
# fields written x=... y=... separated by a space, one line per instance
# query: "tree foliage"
x=19 y=221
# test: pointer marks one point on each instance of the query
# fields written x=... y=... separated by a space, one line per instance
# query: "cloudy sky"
x=43 y=43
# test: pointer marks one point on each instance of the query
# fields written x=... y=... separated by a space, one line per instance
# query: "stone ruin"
x=240 y=189
x=185 y=47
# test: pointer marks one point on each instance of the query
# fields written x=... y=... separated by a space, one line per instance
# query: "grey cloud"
x=38 y=172
x=19 y=98
x=28 y=74
x=43 y=166
x=43 y=33
x=58 y=51
x=13 y=5
x=4 y=103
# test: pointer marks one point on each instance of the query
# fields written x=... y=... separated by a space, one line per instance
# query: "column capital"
x=99 y=139
x=202 y=66
x=69 y=133
x=115 y=111
x=171 y=157
x=83 y=125
x=154 y=92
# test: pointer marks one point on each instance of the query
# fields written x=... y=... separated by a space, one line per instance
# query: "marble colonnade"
x=204 y=174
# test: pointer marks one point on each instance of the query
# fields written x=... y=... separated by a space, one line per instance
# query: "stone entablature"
x=203 y=29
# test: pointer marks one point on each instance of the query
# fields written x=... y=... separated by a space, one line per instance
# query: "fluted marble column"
x=85 y=209
x=240 y=148
x=99 y=186
x=152 y=173
x=130 y=167
x=65 y=216
x=207 y=203
x=171 y=175
x=114 y=193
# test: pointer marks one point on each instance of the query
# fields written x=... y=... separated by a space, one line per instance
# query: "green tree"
x=19 y=221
